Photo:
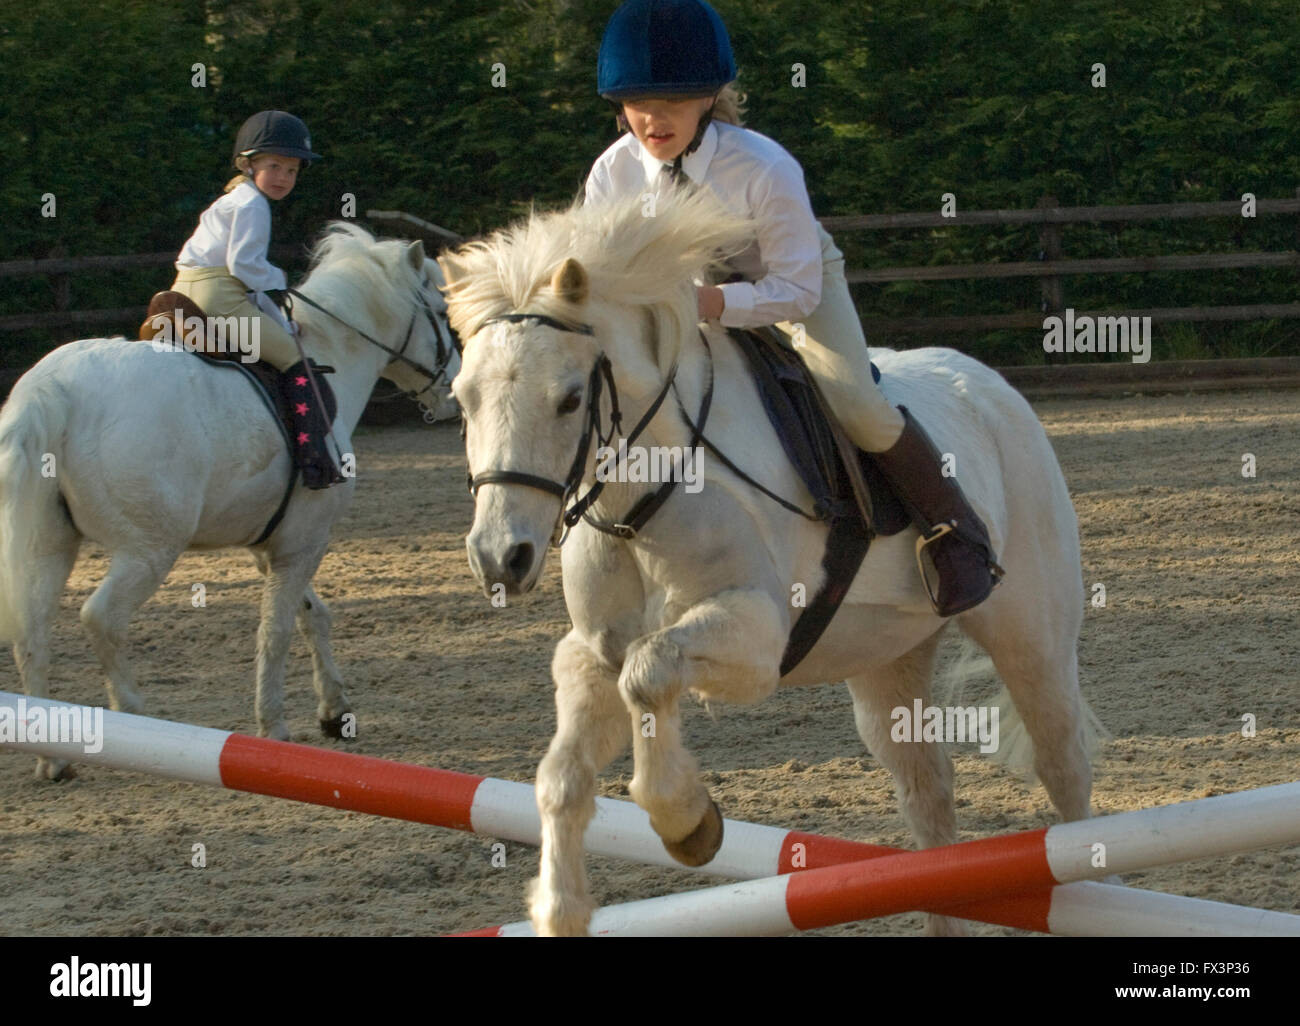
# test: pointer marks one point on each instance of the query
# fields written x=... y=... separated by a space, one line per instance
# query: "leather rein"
x=445 y=348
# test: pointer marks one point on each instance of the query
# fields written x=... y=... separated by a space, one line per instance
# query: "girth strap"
x=846 y=548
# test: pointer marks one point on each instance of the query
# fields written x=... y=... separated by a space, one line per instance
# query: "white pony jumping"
x=149 y=453
x=700 y=598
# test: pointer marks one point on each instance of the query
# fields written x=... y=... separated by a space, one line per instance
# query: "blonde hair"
x=730 y=105
x=245 y=166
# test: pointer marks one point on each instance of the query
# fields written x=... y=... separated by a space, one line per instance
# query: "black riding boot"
x=310 y=426
x=953 y=538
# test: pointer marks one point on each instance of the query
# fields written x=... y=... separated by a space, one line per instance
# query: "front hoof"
x=699 y=846
x=335 y=727
x=280 y=732
x=57 y=770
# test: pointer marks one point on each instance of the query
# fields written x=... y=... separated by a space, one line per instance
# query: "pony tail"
x=235 y=182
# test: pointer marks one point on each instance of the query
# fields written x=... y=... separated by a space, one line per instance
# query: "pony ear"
x=415 y=254
x=570 y=282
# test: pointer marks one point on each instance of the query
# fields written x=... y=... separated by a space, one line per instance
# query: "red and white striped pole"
x=992 y=868
x=508 y=810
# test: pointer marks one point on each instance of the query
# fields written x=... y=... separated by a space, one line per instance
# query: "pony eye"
x=570 y=402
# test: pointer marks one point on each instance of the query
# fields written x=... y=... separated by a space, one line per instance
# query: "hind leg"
x=131 y=579
x=922 y=771
x=36 y=612
x=288 y=577
x=1041 y=673
x=314 y=625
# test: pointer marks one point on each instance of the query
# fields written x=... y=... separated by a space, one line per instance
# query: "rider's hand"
x=711 y=302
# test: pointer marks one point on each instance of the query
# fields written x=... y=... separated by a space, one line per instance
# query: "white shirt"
x=755 y=177
x=234 y=233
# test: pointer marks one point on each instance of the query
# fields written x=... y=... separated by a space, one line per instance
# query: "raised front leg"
x=727 y=648
x=314 y=624
x=591 y=729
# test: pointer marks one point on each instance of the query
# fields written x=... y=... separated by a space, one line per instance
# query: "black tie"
x=672 y=173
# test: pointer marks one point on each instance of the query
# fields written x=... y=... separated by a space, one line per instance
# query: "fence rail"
x=1051 y=268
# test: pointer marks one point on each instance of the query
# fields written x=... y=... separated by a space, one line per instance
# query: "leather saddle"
x=268 y=382
x=844 y=481
x=848 y=489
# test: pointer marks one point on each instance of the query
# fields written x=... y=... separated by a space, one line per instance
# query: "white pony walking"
x=149 y=453
x=700 y=599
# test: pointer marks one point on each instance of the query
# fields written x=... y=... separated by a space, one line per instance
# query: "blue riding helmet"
x=664 y=48
x=274 y=131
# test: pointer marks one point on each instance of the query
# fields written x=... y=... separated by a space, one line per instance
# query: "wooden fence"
x=1052 y=268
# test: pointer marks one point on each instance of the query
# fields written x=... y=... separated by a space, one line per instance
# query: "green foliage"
x=991 y=100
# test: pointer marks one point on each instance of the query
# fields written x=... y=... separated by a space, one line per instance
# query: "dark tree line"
x=898 y=102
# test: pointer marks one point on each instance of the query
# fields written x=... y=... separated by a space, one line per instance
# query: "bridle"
x=601 y=374
x=445 y=347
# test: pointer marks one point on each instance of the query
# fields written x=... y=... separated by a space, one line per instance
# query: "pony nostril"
x=519 y=560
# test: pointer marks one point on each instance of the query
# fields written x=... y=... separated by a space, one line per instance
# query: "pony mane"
x=362 y=272
x=635 y=255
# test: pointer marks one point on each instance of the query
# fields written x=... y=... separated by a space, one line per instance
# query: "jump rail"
x=508 y=810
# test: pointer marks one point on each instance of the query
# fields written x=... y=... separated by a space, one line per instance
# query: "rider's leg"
x=222 y=295
x=832 y=346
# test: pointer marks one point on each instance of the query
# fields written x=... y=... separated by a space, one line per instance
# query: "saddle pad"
x=265 y=380
x=795 y=409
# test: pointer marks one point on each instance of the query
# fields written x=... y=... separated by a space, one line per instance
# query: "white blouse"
x=234 y=233
x=755 y=177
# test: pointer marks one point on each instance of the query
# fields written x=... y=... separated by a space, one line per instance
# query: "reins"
x=399 y=355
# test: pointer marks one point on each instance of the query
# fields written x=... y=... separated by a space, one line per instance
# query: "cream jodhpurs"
x=833 y=348
x=220 y=294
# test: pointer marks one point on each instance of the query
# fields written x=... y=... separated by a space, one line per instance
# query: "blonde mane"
x=638 y=253
x=361 y=272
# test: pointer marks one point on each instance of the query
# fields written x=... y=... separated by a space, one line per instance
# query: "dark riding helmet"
x=274 y=131
x=664 y=48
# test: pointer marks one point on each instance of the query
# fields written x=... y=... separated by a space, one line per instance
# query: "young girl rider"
x=224 y=269
x=667 y=65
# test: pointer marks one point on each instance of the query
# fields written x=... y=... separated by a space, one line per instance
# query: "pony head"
x=387 y=288
x=612 y=280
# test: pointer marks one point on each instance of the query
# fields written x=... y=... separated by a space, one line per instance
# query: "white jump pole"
x=508 y=810
x=991 y=868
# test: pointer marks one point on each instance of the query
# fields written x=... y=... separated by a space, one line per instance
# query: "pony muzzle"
x=506 y=547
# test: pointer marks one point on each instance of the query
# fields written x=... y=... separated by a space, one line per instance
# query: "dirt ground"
x=1202 y=579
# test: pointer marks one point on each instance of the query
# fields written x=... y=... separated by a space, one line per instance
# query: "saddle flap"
x=843 y=481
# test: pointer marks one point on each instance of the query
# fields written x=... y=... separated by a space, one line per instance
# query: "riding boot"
x=954 y=552
x=310 y=426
